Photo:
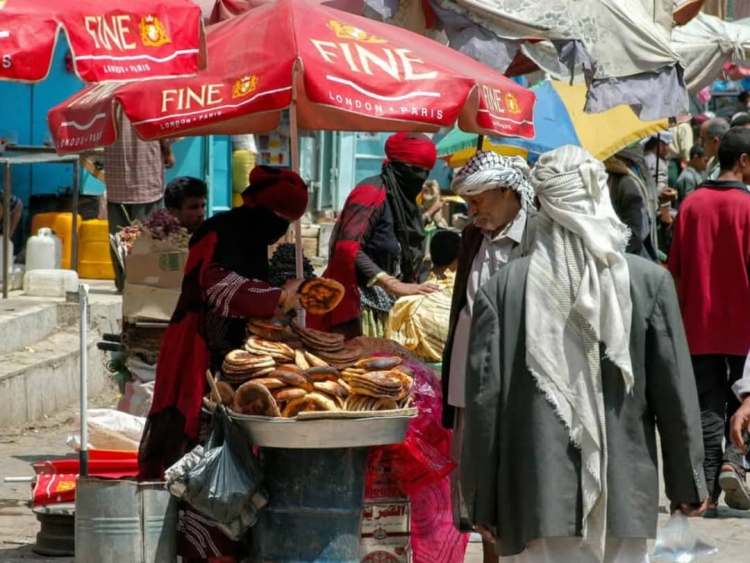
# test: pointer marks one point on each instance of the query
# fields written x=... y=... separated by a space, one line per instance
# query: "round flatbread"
x=378 y=364
x=270 y=383
x=314 y=361
x=288 y=394
x=226 y=392
x=252 y=398
x=293 y=379
x=310 y=402
x=332 y=388
x=324 y=374
x=320 y=295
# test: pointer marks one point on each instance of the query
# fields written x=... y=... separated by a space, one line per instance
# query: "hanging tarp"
x=706 y=44
x=622 y=46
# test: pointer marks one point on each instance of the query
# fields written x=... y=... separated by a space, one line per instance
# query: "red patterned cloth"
x=351 y=227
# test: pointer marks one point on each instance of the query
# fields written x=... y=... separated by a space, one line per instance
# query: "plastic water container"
x=41 y=251
x=243 y=161
x=50 y=283
x=12 y=257
x=62 y=225
x=94 y=259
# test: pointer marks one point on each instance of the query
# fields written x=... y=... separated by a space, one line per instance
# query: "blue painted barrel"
x=315 y=506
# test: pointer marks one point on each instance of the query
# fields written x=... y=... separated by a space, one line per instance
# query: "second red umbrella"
x=343 y=72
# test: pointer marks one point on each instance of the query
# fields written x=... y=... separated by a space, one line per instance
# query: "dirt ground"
x=45 y=440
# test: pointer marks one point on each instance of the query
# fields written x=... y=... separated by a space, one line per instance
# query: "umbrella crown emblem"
x=64 y=486
x=153 y=33
x=346 y=31
x=511 y=104
x=243 y=86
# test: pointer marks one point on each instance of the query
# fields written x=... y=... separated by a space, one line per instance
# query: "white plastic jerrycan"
x=43 y=251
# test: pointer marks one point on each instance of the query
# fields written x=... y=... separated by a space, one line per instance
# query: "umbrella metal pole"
x=74 y=250
x=298 y=250
x=6 y=231
x=83 y=303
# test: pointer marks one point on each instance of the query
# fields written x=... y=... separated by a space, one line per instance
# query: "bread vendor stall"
x=314 y=405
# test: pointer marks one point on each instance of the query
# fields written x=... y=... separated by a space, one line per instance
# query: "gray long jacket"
x=519 y=471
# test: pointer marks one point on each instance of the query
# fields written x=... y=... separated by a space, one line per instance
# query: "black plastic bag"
x=226 y=485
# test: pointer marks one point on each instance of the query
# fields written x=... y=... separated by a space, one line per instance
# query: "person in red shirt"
x=710 y=262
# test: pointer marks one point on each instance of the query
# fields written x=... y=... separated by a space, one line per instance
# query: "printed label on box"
x=384 y=519
x=394 y=549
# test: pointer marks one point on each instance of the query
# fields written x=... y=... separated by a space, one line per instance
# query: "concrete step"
x=43 y=377
x=24 y=322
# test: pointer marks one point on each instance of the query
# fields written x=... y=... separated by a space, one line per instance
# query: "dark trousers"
x=121 y=215
x=714 y=377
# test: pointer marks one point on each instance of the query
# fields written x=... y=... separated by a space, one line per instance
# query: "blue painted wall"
x=359 y=156
x=23 y=108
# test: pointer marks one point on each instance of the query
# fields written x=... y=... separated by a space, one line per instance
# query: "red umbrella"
x=112 y=40
x=342 y=71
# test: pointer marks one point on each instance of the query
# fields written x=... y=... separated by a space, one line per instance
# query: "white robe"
x=573 y=550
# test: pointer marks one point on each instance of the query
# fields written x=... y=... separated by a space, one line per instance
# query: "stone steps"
x=44 y=377
x=40 y=350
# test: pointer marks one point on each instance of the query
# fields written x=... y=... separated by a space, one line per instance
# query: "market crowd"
x=585 y=306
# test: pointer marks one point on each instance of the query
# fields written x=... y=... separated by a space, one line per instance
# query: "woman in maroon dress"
x=225 y=283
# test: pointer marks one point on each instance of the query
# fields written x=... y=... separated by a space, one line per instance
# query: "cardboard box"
x=393 y=549
x=163 y=270
x=142 y=302
x=391 y=518
x=380 y=484
x=153 y=279
x=309 y=247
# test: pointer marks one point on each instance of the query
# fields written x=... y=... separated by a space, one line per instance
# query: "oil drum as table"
x=315 y=508
x=314 y=472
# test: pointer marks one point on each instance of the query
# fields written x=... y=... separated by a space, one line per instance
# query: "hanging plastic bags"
x=226 y=484
x=678 y=541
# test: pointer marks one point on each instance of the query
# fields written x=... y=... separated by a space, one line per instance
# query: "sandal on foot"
x=732 y=482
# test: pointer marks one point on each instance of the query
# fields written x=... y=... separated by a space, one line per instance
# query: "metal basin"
x=323 y=433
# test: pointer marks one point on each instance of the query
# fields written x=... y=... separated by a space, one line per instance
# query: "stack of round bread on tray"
x=285 y=370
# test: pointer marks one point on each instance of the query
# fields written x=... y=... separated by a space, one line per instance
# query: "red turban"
x=282 y=191
x=412 y=148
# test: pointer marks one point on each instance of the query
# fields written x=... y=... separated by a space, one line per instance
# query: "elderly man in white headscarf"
x=577 y=354
x=501 y=207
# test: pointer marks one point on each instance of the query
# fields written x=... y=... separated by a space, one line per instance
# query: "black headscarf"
x=403 y=183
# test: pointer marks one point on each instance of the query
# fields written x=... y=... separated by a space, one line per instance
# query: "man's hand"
x=168 y=159
x=401 y=289
x=290 y=294
x=740 y=421
x=689 y=510
x=486 y=534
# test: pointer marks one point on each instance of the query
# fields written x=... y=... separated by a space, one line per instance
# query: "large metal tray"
x=311 y=432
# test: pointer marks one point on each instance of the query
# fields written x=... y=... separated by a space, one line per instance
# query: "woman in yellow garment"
x=420 y=322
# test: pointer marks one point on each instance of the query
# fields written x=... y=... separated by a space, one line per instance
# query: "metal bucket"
x=124 y=521
x=315 y=509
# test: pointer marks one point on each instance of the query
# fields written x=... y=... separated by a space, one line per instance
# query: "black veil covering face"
x=403 y=182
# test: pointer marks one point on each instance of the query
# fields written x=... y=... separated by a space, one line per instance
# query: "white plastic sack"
x=143 y=371
x=137 y=398
x=111 y=429
x=678 y=542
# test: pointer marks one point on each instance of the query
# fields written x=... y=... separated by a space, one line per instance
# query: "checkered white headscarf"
x=488 y=171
